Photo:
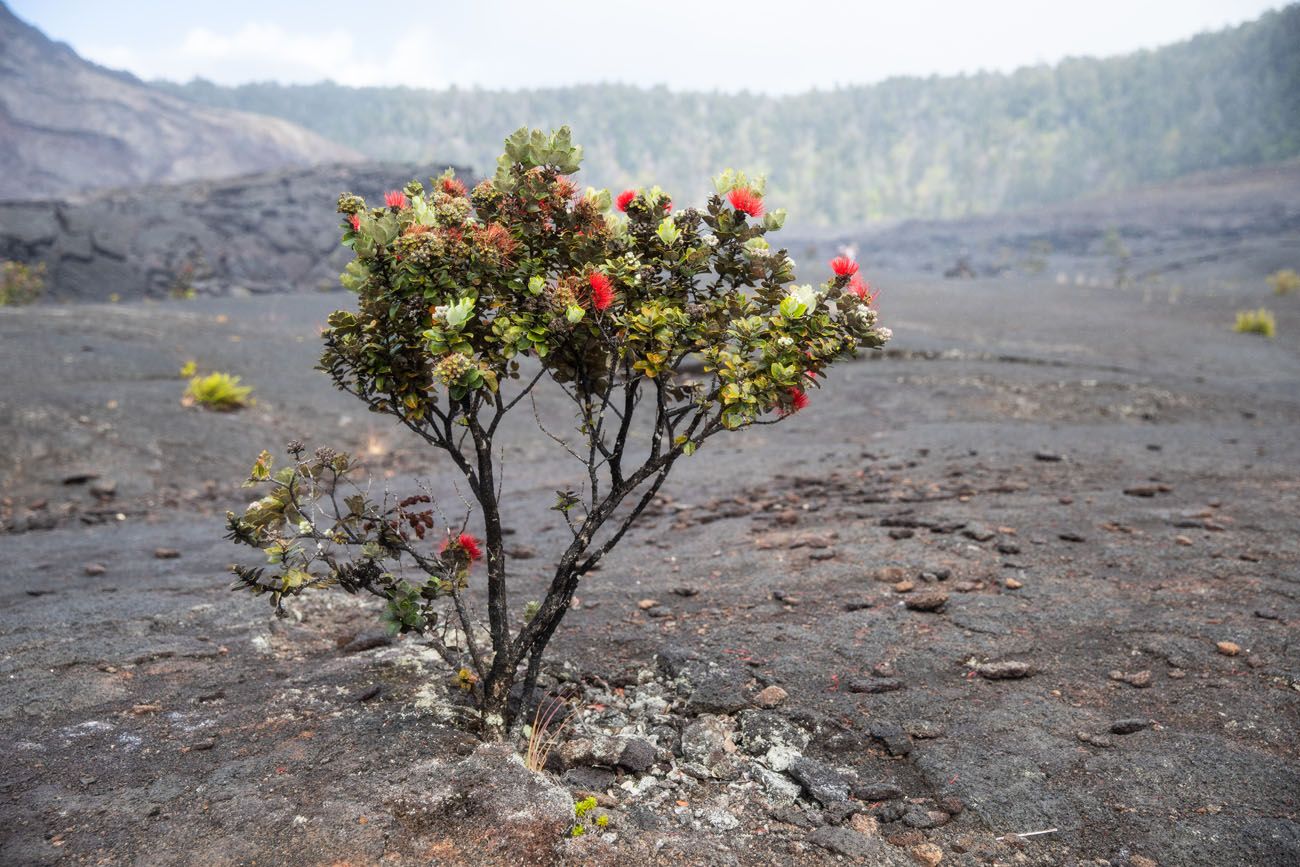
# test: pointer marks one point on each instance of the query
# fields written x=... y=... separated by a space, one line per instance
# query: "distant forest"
x=907 y=147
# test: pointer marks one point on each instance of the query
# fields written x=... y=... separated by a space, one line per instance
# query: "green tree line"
x=906 y=147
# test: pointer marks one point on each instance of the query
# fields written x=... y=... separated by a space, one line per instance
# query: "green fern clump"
x=1259 y=321
x=218 y=391
x=1284 y=282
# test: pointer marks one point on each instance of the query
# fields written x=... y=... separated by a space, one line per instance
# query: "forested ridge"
x=906 y=147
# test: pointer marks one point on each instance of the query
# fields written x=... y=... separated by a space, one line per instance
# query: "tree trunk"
x=494 y=713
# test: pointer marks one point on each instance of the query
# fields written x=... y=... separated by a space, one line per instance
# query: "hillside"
x=67 y=126
x=269 y=232
x=937 y=147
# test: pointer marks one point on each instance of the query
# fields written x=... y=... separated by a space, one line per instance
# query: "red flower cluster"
x=746 y=200
x=355 y=221
x=602 y=291
x=395 y=199
x=843 y=266
x=862 y=289
x=798 y=400
x=468 y=543
x=624 y=199
x=453 y=187
x=496 y=236
x=565 y=188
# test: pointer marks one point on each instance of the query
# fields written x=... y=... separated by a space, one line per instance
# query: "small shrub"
x=217 y=391
x=1256 y=322
x=1284 y=282
x=21 y=283
x=189 y=369
x=658 y=326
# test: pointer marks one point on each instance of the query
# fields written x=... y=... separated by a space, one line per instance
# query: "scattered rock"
x=979 y=533
x=589 y=778
x=847 y=842
x=772 y=696
x=1008 y=548
x=873 y=685
x=93 y=569
x=927 y=601
x=719 y=691
x=1071 y=537
x=708 y=742
x=104 y=489
x=1128 y=726
x=1048 y=457
x=890 y=574
x=1141 y=861
x=872 y=792
x=166 y=553
x=1012 y=584
x=1005 y=670
x=902 y=533
x=686 y=592
x=1183 y=540
x=923 y=729
x=647 y=604
x=79 y=478
x=866 y=825
x=638 y=755
x=904 y=587
x=821 y=782
x=918 y=817
x=764 y=733
x=367 y=640
x=926 y=854
x=891 y=734
x=1137 y=679
x=1227 y=648
x=1095 y=739
x=952 y=805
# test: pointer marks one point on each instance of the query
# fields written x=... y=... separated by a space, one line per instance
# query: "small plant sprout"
x=1284 y=282
x=189 y=369
x=1259 y=321
x=217 y=391
x=20 y=283
x=657 y=328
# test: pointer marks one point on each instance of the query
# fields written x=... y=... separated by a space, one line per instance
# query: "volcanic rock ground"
x=1087 y=488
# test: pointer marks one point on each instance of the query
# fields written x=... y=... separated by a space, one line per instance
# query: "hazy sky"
x=763 y=45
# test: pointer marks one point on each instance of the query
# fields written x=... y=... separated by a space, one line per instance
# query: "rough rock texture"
x=272 y=232
x=486 y=809
x=67 y=126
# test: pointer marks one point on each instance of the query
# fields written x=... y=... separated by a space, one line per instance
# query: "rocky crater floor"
x=1021 y=590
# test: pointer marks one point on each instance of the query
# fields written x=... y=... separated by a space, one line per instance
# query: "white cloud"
x=261 y=51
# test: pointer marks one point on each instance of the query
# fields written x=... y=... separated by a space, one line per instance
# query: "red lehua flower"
x=798 y=401
x=624 y=199
x=468 y=543
x=843 y=266
x=746 y=200
x=453 y=187
x=602 y=290
x=470 y=546
x=565 y=188
x=862 y=289
x=668 y=204
x=395 y=199
x=355 y=221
